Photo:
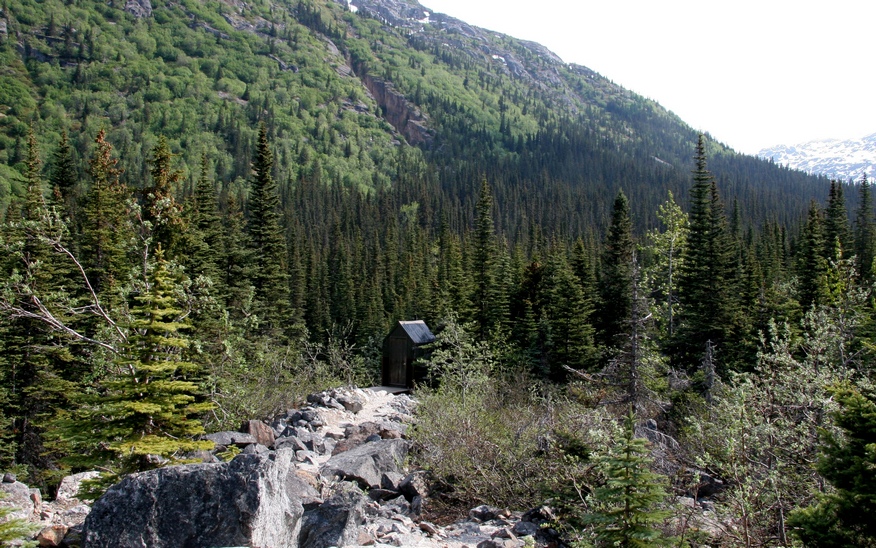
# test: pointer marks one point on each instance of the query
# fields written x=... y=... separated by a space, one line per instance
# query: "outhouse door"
x=398 y=366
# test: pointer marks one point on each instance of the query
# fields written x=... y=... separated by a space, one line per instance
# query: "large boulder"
x=246 y=502
x=367 y=463
x=335 y=522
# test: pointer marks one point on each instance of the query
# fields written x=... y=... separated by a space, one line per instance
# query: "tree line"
x=135 y=318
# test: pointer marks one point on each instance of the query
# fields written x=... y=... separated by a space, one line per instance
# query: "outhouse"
x=401 y=348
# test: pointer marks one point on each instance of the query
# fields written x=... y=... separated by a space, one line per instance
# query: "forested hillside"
x=212 y=208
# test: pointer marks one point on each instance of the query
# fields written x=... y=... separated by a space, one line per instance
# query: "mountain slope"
x=843 y=160
x=365 y=99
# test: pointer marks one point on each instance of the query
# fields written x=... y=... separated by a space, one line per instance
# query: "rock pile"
x=332 y=473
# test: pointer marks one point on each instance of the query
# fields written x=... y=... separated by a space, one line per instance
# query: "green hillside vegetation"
x=212 y=210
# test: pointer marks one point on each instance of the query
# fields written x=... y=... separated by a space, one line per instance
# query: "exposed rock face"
x=403 y=115
x=248 y=501
x=139 y=8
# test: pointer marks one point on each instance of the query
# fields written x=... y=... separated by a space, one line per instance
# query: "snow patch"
x=498 y=58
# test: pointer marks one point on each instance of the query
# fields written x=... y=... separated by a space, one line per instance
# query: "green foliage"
x=617 y=276
x=627 y=508
x=707 y=281
x=664 y=260
x=761 y=432
x=512 y=443
x=145 y=413
x=844 y=516
x=268 y=244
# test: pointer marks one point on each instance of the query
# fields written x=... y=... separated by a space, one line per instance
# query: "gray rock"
x=328 y=446
x=306 y=456
x=248 y=501
x=500 y=543
x=414 y=485
x=383 y=494
x=335 y=522
x=391 y=480
x=255 y=449
x=394 y=508
x=227 y=438
x=484 y=513
x=303 y=486
x=9 y=477
x=139 y=8
x=351 y=403
x=17 y=498
x=76 y=515
x=417 y=506
x=367 y=463
x=525 y=529
x=291 y=442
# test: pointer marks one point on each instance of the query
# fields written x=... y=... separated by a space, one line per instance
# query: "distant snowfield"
x=845 y=160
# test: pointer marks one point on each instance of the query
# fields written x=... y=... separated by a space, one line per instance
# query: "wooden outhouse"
x=401 y=348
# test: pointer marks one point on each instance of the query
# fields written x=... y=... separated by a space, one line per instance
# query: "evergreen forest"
x=210 y=209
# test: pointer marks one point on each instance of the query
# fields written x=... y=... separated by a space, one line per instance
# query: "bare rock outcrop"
x=248 y=501
x=403 y=115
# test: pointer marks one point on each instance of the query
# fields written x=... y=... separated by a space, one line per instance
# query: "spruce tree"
x=865 y=230
x=64 y=178
x=488 y=298
x=42 y=370
x=105 y=227
x=267 y=240
x=207 y=241
x=616 y=280
x=236 y=262
x=706 y=280
x=145 y=413
x=811 y=264
x=844 y=516
x=627 y=506
x=160 y=207
x=836 y=225
x=565 y=318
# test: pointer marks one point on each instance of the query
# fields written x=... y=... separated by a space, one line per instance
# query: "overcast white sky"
x=752 y=73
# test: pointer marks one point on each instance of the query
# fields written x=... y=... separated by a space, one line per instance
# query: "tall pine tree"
x=865 y=230
x=267 y=240
x=617 y=276
x=706 y=280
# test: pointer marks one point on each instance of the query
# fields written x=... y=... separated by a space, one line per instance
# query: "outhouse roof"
x=418 y=331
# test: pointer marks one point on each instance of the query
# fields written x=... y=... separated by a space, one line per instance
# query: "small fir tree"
x=627 y=507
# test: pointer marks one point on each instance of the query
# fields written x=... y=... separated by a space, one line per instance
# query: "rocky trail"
x=332 y=473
